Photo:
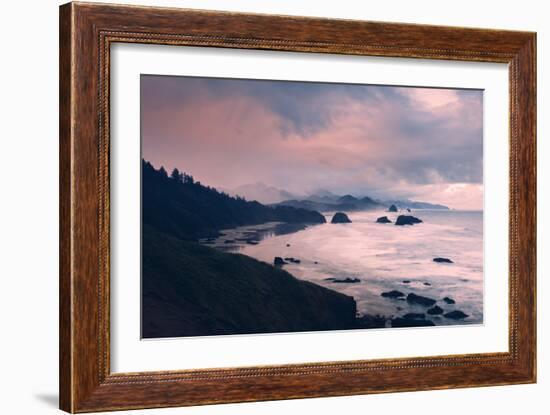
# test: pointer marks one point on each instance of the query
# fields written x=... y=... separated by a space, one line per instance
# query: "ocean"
x=383 y=257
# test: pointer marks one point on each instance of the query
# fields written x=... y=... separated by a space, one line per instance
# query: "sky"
x=422 y=144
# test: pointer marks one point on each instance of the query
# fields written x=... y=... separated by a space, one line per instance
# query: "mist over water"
x=382 y=256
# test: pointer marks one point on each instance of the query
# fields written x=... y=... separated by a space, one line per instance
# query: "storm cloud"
x=384 y=141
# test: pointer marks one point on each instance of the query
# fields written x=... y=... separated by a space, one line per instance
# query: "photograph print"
x=273 y=206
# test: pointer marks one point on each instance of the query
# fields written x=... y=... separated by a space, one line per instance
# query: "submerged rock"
x=344 y=280
x=383 y=219
x=406 y=281
x=278 y=261
x=444 y=260
x=340 y=217
x=407 y=220
x=392 y=208
x=449 y=300
x=418 y=299
x=392 y=294
x=455 y=315
x=427 y=283
x=435 y=310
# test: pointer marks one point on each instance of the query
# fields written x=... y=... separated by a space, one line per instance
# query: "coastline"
x=320 y=264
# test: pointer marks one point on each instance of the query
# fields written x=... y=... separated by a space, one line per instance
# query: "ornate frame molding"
x=86 y=34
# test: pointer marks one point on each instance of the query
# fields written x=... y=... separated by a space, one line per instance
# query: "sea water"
x=383 y=257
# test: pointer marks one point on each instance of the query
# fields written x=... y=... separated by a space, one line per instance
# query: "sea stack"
x=392 y=208
x=340 y=217
x=383 y=219
x=407 y=220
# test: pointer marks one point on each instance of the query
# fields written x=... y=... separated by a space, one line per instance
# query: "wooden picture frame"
x=86 y=33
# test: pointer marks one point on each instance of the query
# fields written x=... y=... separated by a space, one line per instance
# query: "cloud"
x=300 y=136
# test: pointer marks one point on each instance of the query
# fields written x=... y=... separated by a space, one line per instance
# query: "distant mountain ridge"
x=262 y=193
x=328 y=202
x=322 y=200
x=344 y=203
x=411 y=204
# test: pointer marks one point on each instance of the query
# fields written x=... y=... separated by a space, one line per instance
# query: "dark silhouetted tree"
x=162 y=171
x=192 y=211
x=176 y=175
x=188 y=179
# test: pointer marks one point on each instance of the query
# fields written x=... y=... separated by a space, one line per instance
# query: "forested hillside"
x=180 y=206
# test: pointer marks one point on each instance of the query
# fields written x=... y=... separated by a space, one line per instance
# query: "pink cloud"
x=387 y=145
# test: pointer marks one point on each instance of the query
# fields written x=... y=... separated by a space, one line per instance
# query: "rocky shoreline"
x=427 y=311
x=432 y=309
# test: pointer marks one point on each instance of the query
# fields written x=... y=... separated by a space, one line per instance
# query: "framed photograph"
x=260 y=207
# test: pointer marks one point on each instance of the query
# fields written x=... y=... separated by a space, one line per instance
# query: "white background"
x=29 y=228
x=129 y=354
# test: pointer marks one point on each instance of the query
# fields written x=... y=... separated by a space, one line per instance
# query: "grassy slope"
x=194 y=290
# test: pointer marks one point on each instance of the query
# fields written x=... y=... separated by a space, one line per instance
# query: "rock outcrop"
x=344 y=280
x=443 y=260
x=392 y=294
x=418 y=299
x=456 y=315
x=449 y=300
x=407 y=220
x=340 y=217
x=435 y=310
x=278 y=261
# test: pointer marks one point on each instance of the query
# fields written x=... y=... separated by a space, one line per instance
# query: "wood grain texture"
x=86 y=33
x=65 y=246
